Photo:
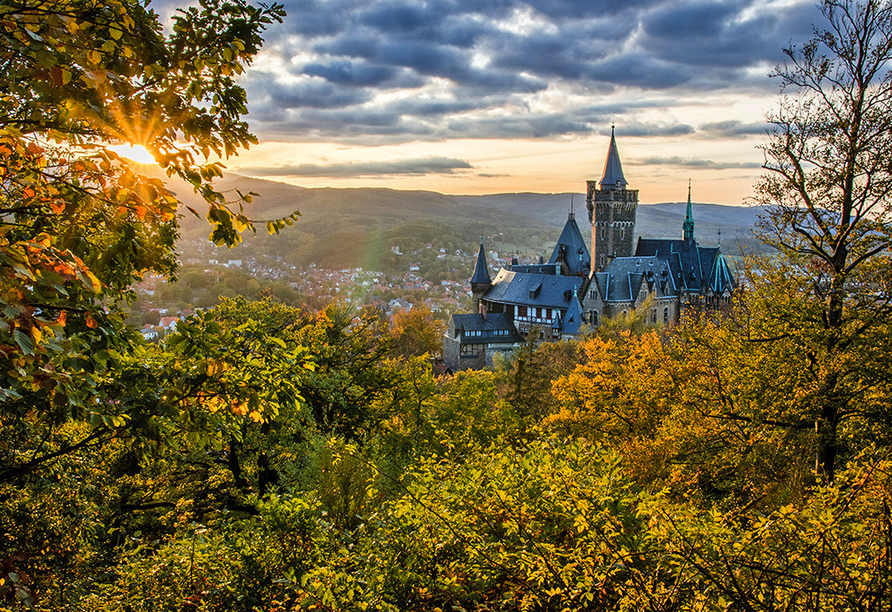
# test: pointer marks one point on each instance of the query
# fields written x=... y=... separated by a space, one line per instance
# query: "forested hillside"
x=263 y=457
x=343 y=228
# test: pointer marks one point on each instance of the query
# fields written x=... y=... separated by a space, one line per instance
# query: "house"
x=168 y=323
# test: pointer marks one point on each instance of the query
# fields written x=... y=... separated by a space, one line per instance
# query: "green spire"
x=687 y=227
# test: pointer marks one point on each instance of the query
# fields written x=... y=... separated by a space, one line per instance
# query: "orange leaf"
x=91 y=322
x=63 y=316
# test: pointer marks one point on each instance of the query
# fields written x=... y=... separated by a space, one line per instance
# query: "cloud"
x=643 y=130
x=310 y=93
x=519 y=126
x=405 y=167
x=681 y=162
x=405 y=70
x=732 y=129
x=360 y=74
x=720 y=35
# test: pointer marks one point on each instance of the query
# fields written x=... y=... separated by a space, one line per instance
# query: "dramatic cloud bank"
x=371 y=73
x=365 y=70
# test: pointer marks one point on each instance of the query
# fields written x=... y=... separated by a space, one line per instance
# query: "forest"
x=269 y=457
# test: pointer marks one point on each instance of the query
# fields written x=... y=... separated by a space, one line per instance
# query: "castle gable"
x=573 y=320
x=570 y=251
x=626 y=278
x=694 y=268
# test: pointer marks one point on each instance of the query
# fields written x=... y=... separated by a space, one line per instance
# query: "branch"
x=12 y=473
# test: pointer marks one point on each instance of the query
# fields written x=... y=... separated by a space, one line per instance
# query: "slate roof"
x=613 y=177
x=542 y=268
x=694 y=268
x=574 y=318
x=488 y=327
x=571 y=249
x=539 y=290
x=622 y=279
x=481 y=271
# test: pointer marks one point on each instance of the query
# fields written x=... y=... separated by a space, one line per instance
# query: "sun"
x=137 y=153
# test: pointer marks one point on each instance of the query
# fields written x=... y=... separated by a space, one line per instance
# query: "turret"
x=480 y=280
x=611 y=210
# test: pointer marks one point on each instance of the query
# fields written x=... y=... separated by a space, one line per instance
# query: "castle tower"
x=611 y=210
x=480 y=280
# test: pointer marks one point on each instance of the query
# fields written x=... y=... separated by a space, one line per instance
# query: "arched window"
x=594 y=318
x=665 y=314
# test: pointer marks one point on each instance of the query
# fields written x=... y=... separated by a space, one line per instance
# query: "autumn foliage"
x=266 y=457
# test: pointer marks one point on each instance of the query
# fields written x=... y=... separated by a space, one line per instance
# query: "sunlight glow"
x=137 y=153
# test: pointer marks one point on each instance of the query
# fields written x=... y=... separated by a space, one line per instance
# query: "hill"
x=341 y=228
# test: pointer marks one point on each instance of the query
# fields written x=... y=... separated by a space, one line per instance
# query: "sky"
x=496 y=96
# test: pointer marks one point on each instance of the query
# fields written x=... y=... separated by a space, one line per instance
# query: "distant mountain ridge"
x=351 y=227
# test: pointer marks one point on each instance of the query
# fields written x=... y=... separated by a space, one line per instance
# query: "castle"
x=554 y=300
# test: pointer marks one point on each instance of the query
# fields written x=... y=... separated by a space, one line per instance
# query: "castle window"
x=666 y=314
x=603 y=233
x=594 y=317
x=622 y=232
x=521 y=311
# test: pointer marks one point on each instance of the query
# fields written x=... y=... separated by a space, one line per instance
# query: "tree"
x=348 y=348
x=416 y=332
x=619 y=391
x=828 y=185
x=78 y=223
x=531 y=373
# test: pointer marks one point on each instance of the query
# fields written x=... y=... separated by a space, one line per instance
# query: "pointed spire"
x=481 y=271
x=687 y=228
x=572 y=214
x=613 y=177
